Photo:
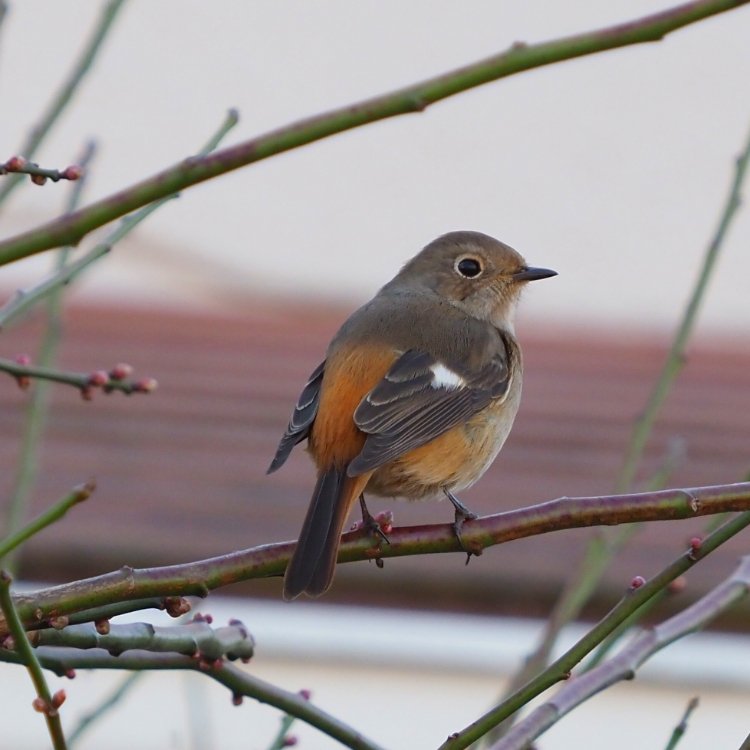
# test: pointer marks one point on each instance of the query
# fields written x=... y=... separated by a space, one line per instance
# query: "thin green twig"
x=103 y=707
x=62 y=98
x=25 y=299
x=562 y=667
x=676 y=357
x=22 y=646
x=55 y=513
x=278 y=742
x=416 y=98
x=3 y=11
x=681 y=728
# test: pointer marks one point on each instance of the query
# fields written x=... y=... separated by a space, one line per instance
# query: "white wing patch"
x=446 y=378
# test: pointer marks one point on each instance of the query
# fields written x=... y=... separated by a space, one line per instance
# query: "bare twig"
x=200 y=577
x=57 y=511
x=625 y=664
x=681 y=728
x=25 y=299
x=104 y=706
x=63 y=97
x=279 y=742
x=69 y=230
x=560 y=669
x=40 y=175
x=676 y=357
x=46 y=703
x=240 y=683
x=85 y=382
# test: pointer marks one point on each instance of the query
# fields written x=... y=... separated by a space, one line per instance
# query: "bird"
x=416 y=396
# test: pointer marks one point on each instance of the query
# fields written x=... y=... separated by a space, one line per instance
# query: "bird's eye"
x=468 y=266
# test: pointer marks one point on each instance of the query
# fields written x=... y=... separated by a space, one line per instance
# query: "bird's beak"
x=532 y=274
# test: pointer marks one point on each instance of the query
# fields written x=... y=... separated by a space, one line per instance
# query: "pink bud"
x=176 y=606
x=73 y=172
x=23 y=359
x=637 y=582
x=38 y=179
x=15 y=163
x=58 y=698
x=98 y=378
x=236 y=699
x=40 y=705
x=146 y=385
x=305 y=694
x=102 y=626
x=121 y=371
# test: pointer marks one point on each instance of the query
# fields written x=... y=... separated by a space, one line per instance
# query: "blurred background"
x=612 y=169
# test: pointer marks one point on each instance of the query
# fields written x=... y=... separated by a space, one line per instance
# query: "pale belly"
x=454 y=460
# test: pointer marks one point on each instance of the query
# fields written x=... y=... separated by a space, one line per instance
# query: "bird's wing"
x=419 y=399
x=302 y=418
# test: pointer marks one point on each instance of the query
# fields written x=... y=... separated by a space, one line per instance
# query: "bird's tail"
x=313 y=562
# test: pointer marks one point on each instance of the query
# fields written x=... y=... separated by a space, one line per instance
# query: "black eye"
x=468 y=267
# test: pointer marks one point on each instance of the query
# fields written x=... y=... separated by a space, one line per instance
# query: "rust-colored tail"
x=311 y=568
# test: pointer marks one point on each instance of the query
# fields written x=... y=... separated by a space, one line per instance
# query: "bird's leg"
x=462 y=514
x=369 y=523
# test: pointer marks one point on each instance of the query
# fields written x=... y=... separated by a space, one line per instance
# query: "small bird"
x=416 y=396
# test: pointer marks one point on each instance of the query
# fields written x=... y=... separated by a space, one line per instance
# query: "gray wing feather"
x=408 y=408
x=301 y=420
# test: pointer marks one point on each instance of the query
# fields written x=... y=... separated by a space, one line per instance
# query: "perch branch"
x=200 y=577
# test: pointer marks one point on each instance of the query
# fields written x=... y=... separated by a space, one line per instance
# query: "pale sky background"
x=611 y=169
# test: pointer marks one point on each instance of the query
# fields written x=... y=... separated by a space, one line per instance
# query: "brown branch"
x=200 y=577
x=71 y=228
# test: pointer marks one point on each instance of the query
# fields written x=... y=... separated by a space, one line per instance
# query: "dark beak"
x=532 y=274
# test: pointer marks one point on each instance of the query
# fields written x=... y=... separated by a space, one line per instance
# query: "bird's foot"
x=463 y=514
x=375 y=526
